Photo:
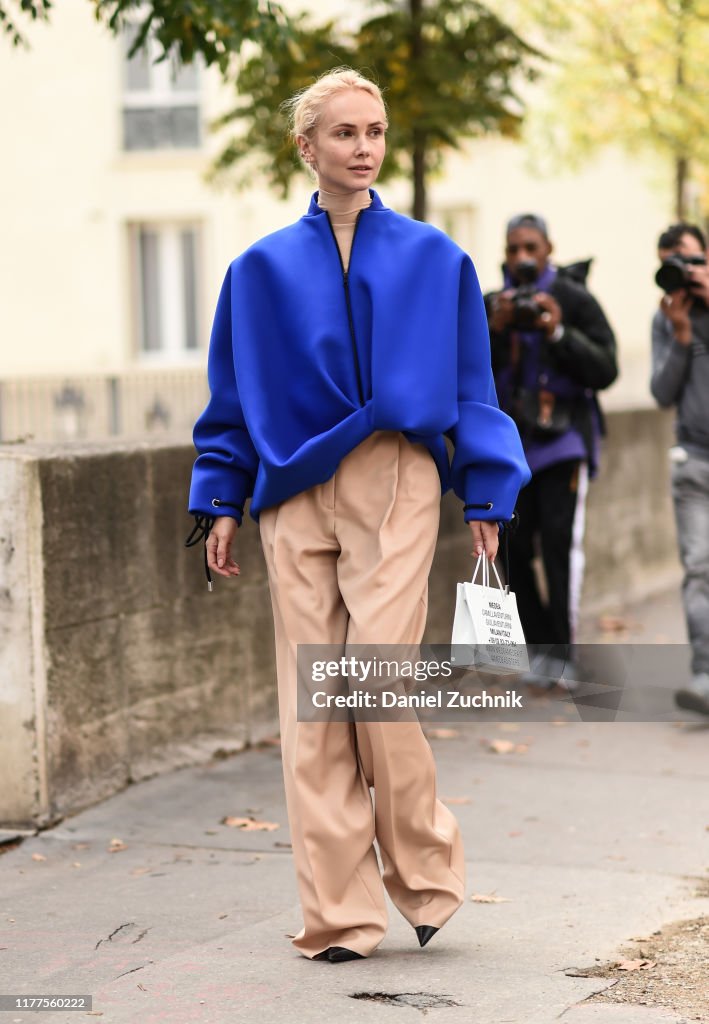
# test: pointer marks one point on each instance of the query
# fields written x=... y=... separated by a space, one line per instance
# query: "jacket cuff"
x=215 y=493
x=477 y=510
x=491 y=495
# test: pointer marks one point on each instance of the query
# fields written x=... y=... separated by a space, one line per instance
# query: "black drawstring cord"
x=200 y=531
x=507 y=529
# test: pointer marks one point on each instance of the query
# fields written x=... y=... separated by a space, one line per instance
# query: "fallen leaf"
x=636 y=965
x=140 y=871
x=116 y=845
x=443 y=734
x=76 y=864
x=250 y=824
x=38 y=856
x=222 y=916
x=612 y=624
x=270 y=741
x=488 y=897
x=507 y=747
x=513 y=834
x=501 y=746
x=455 y=799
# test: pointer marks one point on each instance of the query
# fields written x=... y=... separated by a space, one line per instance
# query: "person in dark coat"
x=552 y=350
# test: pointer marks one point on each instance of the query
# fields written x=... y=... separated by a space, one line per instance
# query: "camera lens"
x=672 y=275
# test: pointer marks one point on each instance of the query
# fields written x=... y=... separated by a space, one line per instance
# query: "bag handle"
x=486 y=572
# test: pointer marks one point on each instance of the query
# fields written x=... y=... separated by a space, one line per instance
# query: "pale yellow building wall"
x=69 y=191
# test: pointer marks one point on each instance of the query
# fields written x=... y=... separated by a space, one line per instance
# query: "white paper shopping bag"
x=487 y=631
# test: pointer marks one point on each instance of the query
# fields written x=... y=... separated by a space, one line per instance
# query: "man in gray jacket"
x=680 y=377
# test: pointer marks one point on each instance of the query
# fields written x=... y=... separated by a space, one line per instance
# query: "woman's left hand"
x=485 y=538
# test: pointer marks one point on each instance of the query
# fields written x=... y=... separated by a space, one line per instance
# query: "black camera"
x=525 y=311
x=674 y=275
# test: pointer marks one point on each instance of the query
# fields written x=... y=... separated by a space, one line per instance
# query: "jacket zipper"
x=348 y=301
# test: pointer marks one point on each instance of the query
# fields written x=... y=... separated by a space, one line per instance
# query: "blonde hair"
x=304 y=110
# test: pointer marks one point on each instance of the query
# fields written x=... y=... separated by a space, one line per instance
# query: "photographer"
x=552 y=349
x=680 y=377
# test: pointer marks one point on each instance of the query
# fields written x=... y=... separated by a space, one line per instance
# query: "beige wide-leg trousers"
x=348 y=562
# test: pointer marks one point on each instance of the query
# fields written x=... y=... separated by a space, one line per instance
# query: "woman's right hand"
x=219 y=543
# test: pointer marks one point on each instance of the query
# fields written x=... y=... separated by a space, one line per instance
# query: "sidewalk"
x=594 y=833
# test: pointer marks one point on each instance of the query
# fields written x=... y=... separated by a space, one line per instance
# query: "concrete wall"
x=116 y=662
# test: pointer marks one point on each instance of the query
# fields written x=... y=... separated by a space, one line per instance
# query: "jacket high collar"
x=314 y=210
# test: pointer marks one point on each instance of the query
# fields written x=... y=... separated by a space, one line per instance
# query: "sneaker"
x=695 y=697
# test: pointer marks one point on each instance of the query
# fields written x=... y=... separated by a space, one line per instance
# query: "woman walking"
x=345 y=347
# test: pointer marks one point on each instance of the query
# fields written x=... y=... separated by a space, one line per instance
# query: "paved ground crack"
x=129 y=924
x=419 y=1000
x=134 y=969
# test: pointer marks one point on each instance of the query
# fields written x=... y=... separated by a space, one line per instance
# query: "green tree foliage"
x=35 y=10
x=632 y=74
x=215 y=29
x=449 y=71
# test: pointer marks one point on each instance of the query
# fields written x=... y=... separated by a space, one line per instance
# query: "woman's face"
x=348 y=146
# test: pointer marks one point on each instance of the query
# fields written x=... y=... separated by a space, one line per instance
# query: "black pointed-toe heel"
x=325 y=955
x=340 y=953
x=425 y=933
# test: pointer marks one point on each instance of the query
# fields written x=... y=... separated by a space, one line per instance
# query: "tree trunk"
x=418 y=154
x=419 y=211
x=681 y=162
x=681 y=179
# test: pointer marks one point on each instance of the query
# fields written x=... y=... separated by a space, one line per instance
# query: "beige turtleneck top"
x=343 y=209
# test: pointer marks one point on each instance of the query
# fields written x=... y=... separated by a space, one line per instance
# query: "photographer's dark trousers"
x=552 y=515
x=348 y=563
x=690 y=493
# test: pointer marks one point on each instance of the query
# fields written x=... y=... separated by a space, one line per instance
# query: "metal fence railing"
x=132 y=404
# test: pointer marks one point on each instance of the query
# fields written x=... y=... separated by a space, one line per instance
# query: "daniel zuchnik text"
x=439 y=699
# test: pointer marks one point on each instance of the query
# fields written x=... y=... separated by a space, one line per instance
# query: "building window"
x=160 y=101
x=165 y=261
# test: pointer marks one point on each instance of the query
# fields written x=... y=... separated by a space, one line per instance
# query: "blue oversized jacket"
x=306 y=361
